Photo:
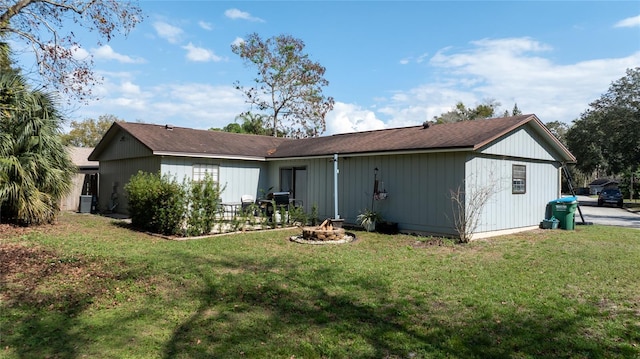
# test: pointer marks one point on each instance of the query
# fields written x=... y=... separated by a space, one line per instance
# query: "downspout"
x=335 y=186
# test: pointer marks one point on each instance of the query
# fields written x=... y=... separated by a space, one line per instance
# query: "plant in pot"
x=368 y=219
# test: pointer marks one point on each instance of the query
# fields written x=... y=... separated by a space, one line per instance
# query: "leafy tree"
x=586 y=141
x=463 y=113
x=35 y=168
x=39 y=23
x=515 y=112
x=233 y=127
x=288 y=85
x=89 y=132
x=606 y=135
x=558 y=129
x=252 y=123
x=6 y=68
x=578 y=178
x=6 y=64
x=255 y=124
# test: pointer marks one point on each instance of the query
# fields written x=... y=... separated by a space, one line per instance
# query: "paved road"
x=606 y=215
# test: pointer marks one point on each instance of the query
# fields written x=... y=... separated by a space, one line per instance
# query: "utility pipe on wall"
x=335 y=186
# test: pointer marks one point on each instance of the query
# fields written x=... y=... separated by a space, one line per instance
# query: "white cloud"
x=205 y=25
x=105 y=52
x=130 y=88
x=351 y=118
x=236 y=14
x=80 y=54
x=422 y=57
x=171 y=33
x=509 y=71
x=417 y=60
x=237 y=41
x=633 y=21
x=193 y=105
x=202 y=105
x=199 y=54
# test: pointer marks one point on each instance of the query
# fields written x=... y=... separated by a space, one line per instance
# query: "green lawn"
x=88 y=287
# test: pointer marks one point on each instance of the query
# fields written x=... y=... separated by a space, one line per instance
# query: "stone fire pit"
x=325 y=233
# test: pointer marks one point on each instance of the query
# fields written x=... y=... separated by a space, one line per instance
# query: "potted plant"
x=368 y=219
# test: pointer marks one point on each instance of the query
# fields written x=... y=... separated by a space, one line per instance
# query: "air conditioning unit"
x=85 y=204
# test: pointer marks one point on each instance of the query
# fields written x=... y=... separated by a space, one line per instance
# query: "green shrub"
x=314 y=215
x=203 y=206
x=156 y=203
x=298 y=216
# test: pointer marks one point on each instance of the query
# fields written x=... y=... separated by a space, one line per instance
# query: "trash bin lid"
x=571 y=199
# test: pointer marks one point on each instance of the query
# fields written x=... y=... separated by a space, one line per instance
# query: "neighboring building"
x=598 y=185
x=85 y=181
x=515 y=158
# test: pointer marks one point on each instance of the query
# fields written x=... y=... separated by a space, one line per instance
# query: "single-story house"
x=596 y=186
x=515 y=159
x=84 y=182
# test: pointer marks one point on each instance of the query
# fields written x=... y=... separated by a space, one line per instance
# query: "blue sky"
x=389 y=64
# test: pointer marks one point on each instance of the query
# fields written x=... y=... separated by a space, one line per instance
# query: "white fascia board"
x=209 y=155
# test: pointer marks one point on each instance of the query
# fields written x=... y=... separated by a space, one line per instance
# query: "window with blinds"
x=518 y=179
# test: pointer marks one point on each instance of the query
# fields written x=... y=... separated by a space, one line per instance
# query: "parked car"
x=610 y=195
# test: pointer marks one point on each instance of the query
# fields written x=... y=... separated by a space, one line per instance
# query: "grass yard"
x=89 y=287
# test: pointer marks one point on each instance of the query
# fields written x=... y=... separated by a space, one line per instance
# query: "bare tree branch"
x=468 y=205
x=40 y=24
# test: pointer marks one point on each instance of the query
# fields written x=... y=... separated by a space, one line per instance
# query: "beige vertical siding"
x=72 y=201
x=124 y=146
x=114 y=175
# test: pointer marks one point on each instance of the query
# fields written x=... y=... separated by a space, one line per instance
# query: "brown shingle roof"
x=460 y=135
x=468 y=134
x=167 y=139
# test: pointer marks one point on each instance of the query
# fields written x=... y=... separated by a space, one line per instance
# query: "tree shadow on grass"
x=284 y=306
x=287 y=311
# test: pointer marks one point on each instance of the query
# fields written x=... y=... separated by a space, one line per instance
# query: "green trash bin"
x=564 y=210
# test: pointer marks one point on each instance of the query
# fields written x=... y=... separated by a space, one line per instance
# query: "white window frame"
x=200 y=170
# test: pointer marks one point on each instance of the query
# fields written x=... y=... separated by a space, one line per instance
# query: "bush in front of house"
x=203 y=206
x=156 y=203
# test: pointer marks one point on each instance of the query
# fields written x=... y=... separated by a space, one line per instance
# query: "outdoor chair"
x=246 y=202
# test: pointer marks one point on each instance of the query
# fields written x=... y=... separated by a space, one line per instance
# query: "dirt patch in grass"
x=40 y=277
x=12 y=230
x=9 y=230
